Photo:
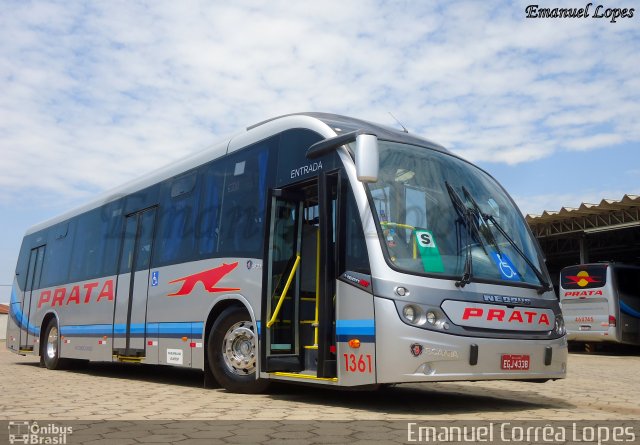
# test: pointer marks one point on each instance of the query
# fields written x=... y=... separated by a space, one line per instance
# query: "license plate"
x=585 y=327
x=515 y=362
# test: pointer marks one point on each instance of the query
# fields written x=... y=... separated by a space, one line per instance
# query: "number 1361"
x=358 y=363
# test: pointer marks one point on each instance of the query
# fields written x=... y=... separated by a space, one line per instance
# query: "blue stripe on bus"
x=177 y=329
x=363 y=330
x=90 y=330
x=166 y=330
x=624 y=307
x=18 y=316
x=119 y=330
x=136 y=330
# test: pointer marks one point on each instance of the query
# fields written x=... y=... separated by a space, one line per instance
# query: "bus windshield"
x=439 y=215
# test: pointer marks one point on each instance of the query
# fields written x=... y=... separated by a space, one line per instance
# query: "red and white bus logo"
x=582 y=279
x=209 y=278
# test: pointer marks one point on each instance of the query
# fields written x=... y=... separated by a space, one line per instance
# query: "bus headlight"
x=418 y=315
x=410 y=313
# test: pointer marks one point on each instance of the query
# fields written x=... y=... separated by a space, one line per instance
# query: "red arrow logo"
x=208 y=278
x=582 y=279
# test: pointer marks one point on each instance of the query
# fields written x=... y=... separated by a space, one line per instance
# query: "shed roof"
x=609 y=214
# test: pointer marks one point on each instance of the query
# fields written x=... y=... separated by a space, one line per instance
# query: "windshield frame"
x=539 y=257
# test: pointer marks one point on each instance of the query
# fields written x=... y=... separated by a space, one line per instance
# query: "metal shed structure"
x=4 y=315
x=608 y=231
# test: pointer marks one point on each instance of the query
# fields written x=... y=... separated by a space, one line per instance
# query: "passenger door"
x=28 y=333
x=298 y=320
x=130 y=313
x=282 y=282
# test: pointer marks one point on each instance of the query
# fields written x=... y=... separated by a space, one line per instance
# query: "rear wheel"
x=232 y=350
x=51 y=346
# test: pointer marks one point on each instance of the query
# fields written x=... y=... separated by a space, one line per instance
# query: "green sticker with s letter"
x=429 y=252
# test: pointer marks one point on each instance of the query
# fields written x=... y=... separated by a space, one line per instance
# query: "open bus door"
x=298 y=319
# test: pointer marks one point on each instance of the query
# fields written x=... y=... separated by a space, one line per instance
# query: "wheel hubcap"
x=239 y=348
x=52 y=343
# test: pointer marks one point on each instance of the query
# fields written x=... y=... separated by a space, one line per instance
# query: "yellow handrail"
x=284 y=292
x=315 y=321
x=404 y=226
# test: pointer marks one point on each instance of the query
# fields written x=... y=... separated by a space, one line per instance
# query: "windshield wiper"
x=544 y=285
x=488 y=234
x=466 y=218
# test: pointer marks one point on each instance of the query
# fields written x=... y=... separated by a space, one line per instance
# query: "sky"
x=97 y=93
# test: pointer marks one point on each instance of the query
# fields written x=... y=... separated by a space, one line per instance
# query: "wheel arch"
x=43 y=327
x=218 y=308
x=223 y=303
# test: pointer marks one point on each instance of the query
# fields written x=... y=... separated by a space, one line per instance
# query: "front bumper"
x=446 y=357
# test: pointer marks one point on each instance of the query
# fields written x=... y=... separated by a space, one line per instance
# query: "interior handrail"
x=284 y=292
x=404 y=226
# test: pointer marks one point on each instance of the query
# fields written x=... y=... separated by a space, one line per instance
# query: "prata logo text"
x=79 y=294
x=503 y=316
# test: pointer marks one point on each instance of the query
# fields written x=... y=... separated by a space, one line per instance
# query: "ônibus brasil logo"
x=31 y=433
x=209 y=278
x=582 y=279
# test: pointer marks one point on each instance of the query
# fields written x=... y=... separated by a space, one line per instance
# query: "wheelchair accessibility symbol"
x=506 y=267
x=155 y=278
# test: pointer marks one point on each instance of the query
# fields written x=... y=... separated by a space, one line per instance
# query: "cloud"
x=98 y=93
x=595 y=141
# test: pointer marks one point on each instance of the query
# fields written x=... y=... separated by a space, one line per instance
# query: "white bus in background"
x=309 y=248
x=601 y=302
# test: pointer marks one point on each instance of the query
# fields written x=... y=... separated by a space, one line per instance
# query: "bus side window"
x=84 y=255
x=23 y=261
x=248 y=175
x=208 y=224
x=628 y=284
x=355 y=256
x=58 y=254
x=176 y=231
x=96 y=244
x=144 y=240
x=129 y=239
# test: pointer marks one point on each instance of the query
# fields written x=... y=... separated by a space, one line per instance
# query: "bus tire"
x=232 y=352
x=51 y=347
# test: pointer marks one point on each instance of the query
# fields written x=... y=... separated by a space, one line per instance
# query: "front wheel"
x=51 y=346
x=232 y=352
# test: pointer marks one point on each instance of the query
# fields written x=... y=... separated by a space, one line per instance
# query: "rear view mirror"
x=367 y=159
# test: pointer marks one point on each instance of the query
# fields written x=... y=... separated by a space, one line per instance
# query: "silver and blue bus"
x=601 y=303
x=309 y=248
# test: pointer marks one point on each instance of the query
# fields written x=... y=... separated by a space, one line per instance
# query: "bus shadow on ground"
x=426 y=398
x=187 y=377
x=612 y=349
x=410 y=399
